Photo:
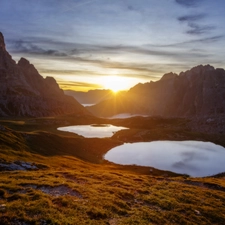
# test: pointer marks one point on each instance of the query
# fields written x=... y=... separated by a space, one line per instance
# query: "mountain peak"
x=2 y=42
x=168 y=76
x=203 y=68
x=23 y=62
x=198 y=69
x=24 y=92
x=27 y=67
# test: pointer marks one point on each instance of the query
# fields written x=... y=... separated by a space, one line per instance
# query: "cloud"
x=188 y=3
x=206 y=40
x=191 y=18
x=130 y=8
x=126 y=69
x=70 y=85
x=126 y=50
x=186 y=161
x=71 y=6
x=195 y=29
x=101 y=54
x=27 y=47
x=68 y=72
x=94 y=60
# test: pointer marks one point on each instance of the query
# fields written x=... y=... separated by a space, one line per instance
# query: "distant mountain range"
x=24 y=92
x=199 y=93
x=90 y=97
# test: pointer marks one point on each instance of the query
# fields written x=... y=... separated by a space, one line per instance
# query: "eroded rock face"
x=24 y=92
x=2 y=42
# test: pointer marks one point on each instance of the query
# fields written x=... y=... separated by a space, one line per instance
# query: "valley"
x=49 y=176
x=71 y=183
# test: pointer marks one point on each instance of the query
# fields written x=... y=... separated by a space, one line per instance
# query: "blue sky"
x=83 y=42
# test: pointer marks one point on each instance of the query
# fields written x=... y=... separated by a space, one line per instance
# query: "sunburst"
x=115 y=83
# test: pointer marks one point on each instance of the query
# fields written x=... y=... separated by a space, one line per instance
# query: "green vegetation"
x=74 y=185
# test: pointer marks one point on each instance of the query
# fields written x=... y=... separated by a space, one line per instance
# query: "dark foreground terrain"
x=53 y=177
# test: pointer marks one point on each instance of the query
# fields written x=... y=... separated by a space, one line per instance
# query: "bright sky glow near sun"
x=90 y=44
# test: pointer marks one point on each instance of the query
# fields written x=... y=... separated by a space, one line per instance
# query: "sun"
x=115 y=83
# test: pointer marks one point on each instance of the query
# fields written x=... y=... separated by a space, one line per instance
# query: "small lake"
x=195 y=158
x=126 y=115
x=94 y=130
x=86 y=104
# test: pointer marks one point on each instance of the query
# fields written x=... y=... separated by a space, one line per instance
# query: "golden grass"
x=107 y=197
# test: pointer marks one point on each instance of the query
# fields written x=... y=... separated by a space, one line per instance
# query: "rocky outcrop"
x=196 y=93
x=24 y=92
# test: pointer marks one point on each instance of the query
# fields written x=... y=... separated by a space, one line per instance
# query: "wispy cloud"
x=206 y=40
x=188 y=3
x=70 y=85
x=27 y=47
x=191 y=18
x=70 y=6
x=68 y=72
x=195 y=29
x=99 y=60
x=90 y=53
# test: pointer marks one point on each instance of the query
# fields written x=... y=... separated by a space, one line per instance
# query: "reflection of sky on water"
x=87 y=105
x=91 y=131
x=186 y=157
x=126 y=115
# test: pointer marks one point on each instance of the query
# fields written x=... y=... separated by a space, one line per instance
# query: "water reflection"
x=194 y=158
x=126 y=115
x=87 y=105
x=94 y=130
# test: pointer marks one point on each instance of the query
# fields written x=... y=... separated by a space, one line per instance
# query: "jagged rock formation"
x=196 y=93
x=24 y=92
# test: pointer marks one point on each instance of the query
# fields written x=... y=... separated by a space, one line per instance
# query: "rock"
x=197 y=212
x=27 y=165
x=2 y=207
x=10 y=167
x=25 y=93
x=17 y=165
x=2 y=42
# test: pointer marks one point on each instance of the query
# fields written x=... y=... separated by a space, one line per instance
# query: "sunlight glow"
x=116 y=83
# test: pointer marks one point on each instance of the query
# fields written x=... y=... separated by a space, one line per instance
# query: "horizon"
x=97 y=44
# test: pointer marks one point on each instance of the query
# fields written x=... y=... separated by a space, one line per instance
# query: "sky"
x=94 y=44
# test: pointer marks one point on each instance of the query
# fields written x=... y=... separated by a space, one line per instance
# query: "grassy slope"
x=105 y=193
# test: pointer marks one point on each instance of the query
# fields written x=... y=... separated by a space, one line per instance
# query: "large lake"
x=195 y=158
x=94 y=130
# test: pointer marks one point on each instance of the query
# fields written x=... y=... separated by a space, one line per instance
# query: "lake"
x=94 y=130
x=195 y=158
x=126 y=115
x=86 y=104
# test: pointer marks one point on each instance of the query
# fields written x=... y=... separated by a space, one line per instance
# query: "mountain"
x=24 y=92
x=199 y=93
x=90 y=97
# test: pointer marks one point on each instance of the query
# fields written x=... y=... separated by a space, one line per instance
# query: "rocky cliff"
x=24 y=92
x=196 y=93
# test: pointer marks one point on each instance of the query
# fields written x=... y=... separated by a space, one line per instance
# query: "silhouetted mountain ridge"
x=198 y=92
x=24 y=92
